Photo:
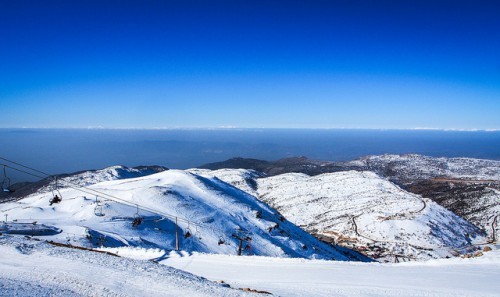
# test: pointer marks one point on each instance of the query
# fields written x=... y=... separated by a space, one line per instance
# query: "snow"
x=286 y=260
x=30 y=268
x=414 y=166
x=36 y=268
x=216 y=211
x=364 y=211
x=298 y=277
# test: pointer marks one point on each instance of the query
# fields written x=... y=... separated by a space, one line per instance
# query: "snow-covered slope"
x=296 y=277
x=82 y=178
x=469 y=187
x=364 y=211
x=210 y=215
x=90 y=177
x=36 y=268
x=31 y=268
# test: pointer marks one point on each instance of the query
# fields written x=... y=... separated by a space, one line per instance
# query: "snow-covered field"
x=31 y=268
x=296 y=277
x=34 y=268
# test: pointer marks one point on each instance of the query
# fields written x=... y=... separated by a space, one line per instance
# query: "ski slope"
x=295 y=277
x=36 y=268
x=210 y=215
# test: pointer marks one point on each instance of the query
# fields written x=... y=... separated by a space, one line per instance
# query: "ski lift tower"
x=242 y=235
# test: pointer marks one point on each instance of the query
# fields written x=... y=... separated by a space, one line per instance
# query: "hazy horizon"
x=71 y=150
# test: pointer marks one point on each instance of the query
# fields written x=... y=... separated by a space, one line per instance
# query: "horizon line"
x=257 y=128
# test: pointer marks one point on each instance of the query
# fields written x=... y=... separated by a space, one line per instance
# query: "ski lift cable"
x=111 y=197
x=116 y=199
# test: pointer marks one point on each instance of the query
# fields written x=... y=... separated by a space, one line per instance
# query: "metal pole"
x=239 y=246
x=176 y=235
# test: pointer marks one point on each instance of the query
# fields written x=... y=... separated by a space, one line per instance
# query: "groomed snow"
x=31 y=268
x=297 y=277
x=36 y=268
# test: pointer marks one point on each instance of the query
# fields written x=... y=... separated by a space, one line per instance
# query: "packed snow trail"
x=31 y=268
x=296 y=277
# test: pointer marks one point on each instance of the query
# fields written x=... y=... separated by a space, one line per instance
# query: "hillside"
x=211 y=215
x=81 y=178
x=469 y=187
x=362 y=211
x=466 y=186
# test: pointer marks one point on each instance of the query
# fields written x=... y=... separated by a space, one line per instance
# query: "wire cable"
x=106 y=195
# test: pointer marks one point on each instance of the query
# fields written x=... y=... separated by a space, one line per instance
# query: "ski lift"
x=137 y=218
x=6 y=182
x=188 y=232
x=56 y=195
x=197 y=234
x=98 y=212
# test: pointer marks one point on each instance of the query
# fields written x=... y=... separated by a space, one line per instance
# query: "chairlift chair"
x=188 y=232
x=197 y=234
x=137 y=218
x=98 y=212
x=6 y=182
x=56 y=195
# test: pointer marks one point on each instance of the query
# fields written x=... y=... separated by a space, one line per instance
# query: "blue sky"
x=290 y=64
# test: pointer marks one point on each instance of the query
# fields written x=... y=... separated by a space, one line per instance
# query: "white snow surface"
x=90 y=177
x=455 y=277
x=31 y=268
x=36 y=268
x=219 y=209
x=364 y=211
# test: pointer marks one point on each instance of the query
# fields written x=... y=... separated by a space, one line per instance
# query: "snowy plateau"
x=158 y=232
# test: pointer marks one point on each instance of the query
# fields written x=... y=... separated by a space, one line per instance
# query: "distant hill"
x=287 y=165
x=469 y=187
x=83 y=178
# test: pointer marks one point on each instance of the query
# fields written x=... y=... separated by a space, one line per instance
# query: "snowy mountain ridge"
x=211 y=215
x=363 y=211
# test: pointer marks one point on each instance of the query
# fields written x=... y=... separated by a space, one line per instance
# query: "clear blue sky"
x=324 y=64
